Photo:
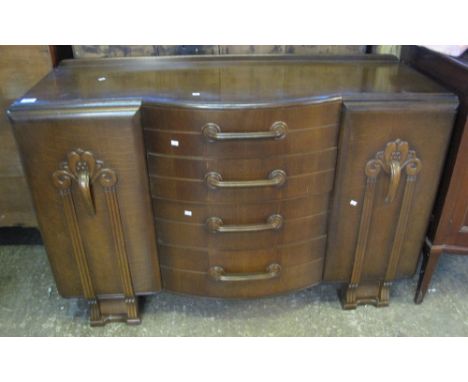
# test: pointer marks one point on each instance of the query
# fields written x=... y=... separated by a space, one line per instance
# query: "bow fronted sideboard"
x=232 y=177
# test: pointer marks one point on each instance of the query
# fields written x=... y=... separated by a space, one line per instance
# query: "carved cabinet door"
x=390 y=156
x=90 y=189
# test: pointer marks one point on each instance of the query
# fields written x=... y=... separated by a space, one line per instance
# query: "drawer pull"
x=275 y=178
x=215 y=224
x=218 y=273
x=213 y=132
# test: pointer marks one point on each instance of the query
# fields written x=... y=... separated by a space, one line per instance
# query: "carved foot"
x=114 y=310
x=376 y=294
x=348 y=297
x=384 y=294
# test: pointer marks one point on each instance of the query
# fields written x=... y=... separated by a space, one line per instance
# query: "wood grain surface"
x=346 y=108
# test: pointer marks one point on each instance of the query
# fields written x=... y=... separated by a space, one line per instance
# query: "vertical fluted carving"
x=82 y=168
x=392 y=161
x=63 y=180
x=108 y=180
x=413 y=167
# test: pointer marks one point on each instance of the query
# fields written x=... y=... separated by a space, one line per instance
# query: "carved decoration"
x=396 y=157
x=393 y=160
x=83 y=168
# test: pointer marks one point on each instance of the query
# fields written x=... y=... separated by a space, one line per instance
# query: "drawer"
x=244 y=120
x=195 y=144
x=201 y=235
x=200 y=260
x=202 y=132
x=241 y=213
x=198 y=190
x=202 y=284
x=197 y=167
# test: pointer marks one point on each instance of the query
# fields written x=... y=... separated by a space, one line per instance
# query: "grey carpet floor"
x=31 y=306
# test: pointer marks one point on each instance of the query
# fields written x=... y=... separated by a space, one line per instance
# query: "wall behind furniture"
x=20 y=68
x=100 y=51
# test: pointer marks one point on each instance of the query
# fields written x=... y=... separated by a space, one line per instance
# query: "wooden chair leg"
x=430 y=258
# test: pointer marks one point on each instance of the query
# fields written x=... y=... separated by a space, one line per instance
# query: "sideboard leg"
x=133 y=317
x=366 y=293
x=383 y=298
x=348 y=297
x=95 y=316
x=105 y=310
x=431 y=255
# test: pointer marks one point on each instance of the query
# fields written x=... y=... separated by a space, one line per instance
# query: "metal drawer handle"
x=215 y=224
x=213 y=132
x=219 y=274
x=275 y=178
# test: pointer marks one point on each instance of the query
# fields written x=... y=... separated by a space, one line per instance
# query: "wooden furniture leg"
x=431 y=255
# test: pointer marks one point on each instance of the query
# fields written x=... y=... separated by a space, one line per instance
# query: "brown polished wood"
x=251 y=165
x=448 y=230
x=91 y=192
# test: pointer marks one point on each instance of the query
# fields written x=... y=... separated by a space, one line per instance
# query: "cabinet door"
x=90 y=189
x=389 y=164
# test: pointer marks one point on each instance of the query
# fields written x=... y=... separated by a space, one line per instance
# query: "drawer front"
x=196 y=144
x=183 y=132
x=298 y=117
x=196 y=177
x=201 y=235
x=240 y=261
x=198 y=190
x=240 y=213
x=162 y=165
x=201 y=283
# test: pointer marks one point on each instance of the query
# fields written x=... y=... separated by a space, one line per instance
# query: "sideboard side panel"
x=121 y=227
x=367 y=128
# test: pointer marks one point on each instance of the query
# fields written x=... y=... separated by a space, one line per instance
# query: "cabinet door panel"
x=91 y=192
x=367 y=130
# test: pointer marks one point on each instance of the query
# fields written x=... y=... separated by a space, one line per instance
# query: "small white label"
x=196 y=94
x=187 y=213
x=100 y=79
x=28 y=100
x=353 y=203
x=174 y=143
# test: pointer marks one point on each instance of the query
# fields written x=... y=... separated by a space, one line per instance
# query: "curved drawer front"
x=182 y=131
x=240 y=261
x=198 y=190
x=201 y=283
x=245 y=213
x=200 y=235
x=191 y=120
x=196 y=167
x=195 y=144
x=240 y=197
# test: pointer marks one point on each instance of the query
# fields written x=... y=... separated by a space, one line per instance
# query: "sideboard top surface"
x=234 y=81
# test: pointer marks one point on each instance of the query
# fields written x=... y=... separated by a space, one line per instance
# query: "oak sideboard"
x=232 y=177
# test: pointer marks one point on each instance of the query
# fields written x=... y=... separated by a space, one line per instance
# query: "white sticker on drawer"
x=187 y=213
x=353 y=203
x=28 y=100
x=174 y=143
x=196 y=94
